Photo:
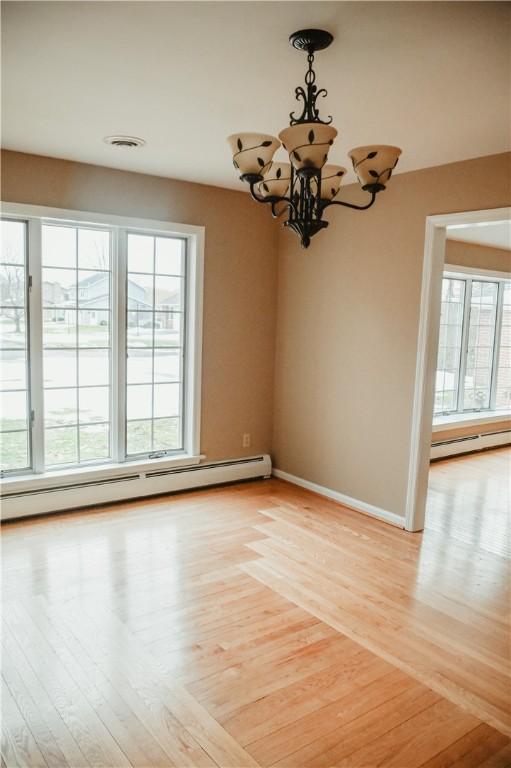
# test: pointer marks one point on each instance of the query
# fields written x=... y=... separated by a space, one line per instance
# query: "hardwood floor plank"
x=391 y=580
x=409 y=611
x=227 y=691
x=209 y=663
x=22 y=747
x=262 y=625
x=315 y=724
x=14 y=662
x=490 y=672
x=415 y=740
x=51 y=752
x=127 y=730
x=91 y=734
x=371 y=726
x=500 y=759
x=374 y=639
x=471 y=750
x=142 y=674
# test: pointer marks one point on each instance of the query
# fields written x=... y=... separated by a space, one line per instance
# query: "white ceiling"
x=432 y=78
x=496 y=234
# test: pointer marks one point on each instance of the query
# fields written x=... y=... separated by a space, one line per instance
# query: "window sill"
x=70 y=477
x=441 y=423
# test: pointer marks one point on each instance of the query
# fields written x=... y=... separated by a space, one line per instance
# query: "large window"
x=76 y=294
x=155 y=311
x=14 y=346
x=98 y=342
x=474 y=349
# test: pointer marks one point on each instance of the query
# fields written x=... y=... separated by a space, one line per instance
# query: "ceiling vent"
x=128 y=142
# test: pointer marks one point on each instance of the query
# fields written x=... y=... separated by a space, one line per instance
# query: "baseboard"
x=132 y=486
x=347 y=501
x=469 y=444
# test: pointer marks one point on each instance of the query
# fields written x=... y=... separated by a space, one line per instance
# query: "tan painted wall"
x=239 y=284
x=477 y=256
x=347 y=331
x=347 y=316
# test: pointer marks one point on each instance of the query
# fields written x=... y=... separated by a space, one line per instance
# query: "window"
x=449 y=345
x=474 y=348
x=14 y=346
x=155 y=306
x=76 y=277
x=109 y=374
x=503 y=389
x=480 y=346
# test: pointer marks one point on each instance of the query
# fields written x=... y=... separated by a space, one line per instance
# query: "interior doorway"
x=463 y=380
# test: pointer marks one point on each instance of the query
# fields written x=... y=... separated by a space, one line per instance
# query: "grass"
x=61 y=443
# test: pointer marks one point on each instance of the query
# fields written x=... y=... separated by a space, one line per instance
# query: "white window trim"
x=469 y=419
x=51 y=478
x=459 y=270
x=194 y=236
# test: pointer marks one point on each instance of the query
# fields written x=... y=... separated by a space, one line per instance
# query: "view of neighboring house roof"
x=57 y=295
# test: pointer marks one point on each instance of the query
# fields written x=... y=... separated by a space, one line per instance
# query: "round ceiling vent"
x=128 y=142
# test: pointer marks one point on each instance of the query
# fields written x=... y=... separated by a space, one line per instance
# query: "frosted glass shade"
x=251 y=152
x=276 y=180
x=308 y=144
x=331 y=177
x=374 y=165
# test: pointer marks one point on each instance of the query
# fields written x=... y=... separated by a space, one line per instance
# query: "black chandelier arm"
x=327 y=203
x=273 y=200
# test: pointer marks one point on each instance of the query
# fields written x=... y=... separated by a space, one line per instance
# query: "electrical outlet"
x=246 y=440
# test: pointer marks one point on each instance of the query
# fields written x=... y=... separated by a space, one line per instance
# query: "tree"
x=12 y=291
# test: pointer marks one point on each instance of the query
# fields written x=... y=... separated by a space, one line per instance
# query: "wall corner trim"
x=347 y=501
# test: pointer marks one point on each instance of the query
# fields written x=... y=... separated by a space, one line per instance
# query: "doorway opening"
x=462 y=399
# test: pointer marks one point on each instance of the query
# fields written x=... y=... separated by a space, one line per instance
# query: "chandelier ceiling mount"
x=306 y=186
x=311 y=40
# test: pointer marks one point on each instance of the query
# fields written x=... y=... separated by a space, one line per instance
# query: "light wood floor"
x=259 y=624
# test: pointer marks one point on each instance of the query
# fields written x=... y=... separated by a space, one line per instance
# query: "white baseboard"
x=131 y=485
x=347 y=501
x=457 y=446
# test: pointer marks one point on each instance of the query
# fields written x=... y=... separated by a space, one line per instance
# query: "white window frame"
x=469 y=275
x=28 y=369
x=36 y=216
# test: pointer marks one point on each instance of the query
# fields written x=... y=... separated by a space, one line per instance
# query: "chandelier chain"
x=310 y=113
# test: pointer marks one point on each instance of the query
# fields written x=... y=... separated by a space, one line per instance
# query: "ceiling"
x=496 y=234
x=432 y=78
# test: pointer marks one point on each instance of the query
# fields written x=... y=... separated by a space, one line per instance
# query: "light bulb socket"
x=373 y=188
x=308 y=172
x=251 y=178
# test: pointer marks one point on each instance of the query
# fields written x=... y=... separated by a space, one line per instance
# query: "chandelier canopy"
x=303 y=188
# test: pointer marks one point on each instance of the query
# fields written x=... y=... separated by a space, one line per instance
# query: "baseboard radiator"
x=469 y=443
x=130 y=486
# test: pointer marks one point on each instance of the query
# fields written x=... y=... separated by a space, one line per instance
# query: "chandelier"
x=303 y=188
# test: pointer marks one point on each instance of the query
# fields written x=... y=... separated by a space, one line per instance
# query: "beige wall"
x=239 y=283
x=477 y=256
x=348 y=311
x=347 y=331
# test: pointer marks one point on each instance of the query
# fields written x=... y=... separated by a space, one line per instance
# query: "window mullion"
x=496 y=344
x=36 y=344
x=119 y=349
x=464 y=345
